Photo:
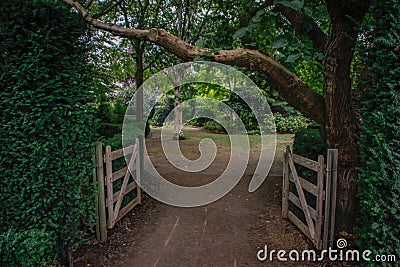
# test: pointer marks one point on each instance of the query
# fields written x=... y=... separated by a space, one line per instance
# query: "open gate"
x=319 y=219
x=115 y=185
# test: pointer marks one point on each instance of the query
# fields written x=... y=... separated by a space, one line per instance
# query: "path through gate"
x=318 y=222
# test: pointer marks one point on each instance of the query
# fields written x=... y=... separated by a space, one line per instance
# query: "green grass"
x=223 y=139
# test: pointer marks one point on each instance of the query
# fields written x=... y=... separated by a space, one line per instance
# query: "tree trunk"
x=342 y=123
x=139 y=78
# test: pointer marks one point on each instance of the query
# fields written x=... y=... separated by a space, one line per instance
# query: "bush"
x=286 y=123
x=379 y=176
x=26 y=249
x=213 y=126
x=47 y=124
x=310 y=142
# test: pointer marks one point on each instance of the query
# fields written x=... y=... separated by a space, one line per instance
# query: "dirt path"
x=228 y=232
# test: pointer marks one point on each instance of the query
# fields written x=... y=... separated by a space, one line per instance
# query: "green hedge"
x=47 y=125
x=27 y=248
x=379 y=177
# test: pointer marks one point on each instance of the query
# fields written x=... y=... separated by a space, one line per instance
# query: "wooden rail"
x=320 y=219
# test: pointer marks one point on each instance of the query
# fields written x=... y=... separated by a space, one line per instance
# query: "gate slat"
x=119 y=174
x=120 y=152
x=127 y=208
x=303 y=200
x=295 y=200
x=124 y=184
x=305 y=162
x=310 y=187
x=299 y=224
x=129 y=188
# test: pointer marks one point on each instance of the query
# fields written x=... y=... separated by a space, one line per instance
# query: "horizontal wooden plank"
x=296 y=221
x=295 y=200
x=127 y=208
x=305 y=162
x=120 y=152
x=129 y=188
x=310 y=187
x=119 y=174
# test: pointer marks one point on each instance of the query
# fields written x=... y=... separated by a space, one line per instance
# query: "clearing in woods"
x=228 y=232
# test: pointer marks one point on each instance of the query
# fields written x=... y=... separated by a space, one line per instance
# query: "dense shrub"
x=47 y=124
x=27 y=248
x=379 y=177
x=213 y=126
x=310 y=142
x=286 y=123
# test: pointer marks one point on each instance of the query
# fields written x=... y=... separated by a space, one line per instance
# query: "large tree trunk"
x=342 y=123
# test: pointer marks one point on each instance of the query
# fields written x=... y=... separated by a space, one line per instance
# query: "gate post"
x=285 y=186
x=101 y=198
x=330 y=197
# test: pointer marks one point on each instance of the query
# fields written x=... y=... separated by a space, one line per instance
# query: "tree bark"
x=342 y=123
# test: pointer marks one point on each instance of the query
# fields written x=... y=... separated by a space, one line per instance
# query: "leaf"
x=293 y=57
x=296 y=4
x=240 y=33
x=279 y=43
x=201 y=42
x=257 y=18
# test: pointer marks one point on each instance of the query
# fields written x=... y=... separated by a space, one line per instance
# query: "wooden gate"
x=114 y=200
x=319 y=219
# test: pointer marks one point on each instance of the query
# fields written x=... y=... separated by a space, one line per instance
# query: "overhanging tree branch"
x=304 y=25
x=107 y=9
x=294 y=91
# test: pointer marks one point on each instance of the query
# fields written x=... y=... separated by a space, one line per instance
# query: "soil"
x=228 y=232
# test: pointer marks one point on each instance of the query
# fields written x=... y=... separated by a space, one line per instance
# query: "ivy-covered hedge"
x=46 y=125
x=379 y=177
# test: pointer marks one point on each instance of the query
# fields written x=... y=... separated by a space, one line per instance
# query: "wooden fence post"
x=320 y=200
x=330 y=198
x=109 y=184
x=101 y=194
x=96 y=195
x=333 y=154
x=285 y=186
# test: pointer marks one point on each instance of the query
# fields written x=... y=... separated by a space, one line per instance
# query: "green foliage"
x=113 y=111
x=27 y=248
x=213 y=126
x=310 y=142
x=47 y=124
x=287 y=124
x=379 y=176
